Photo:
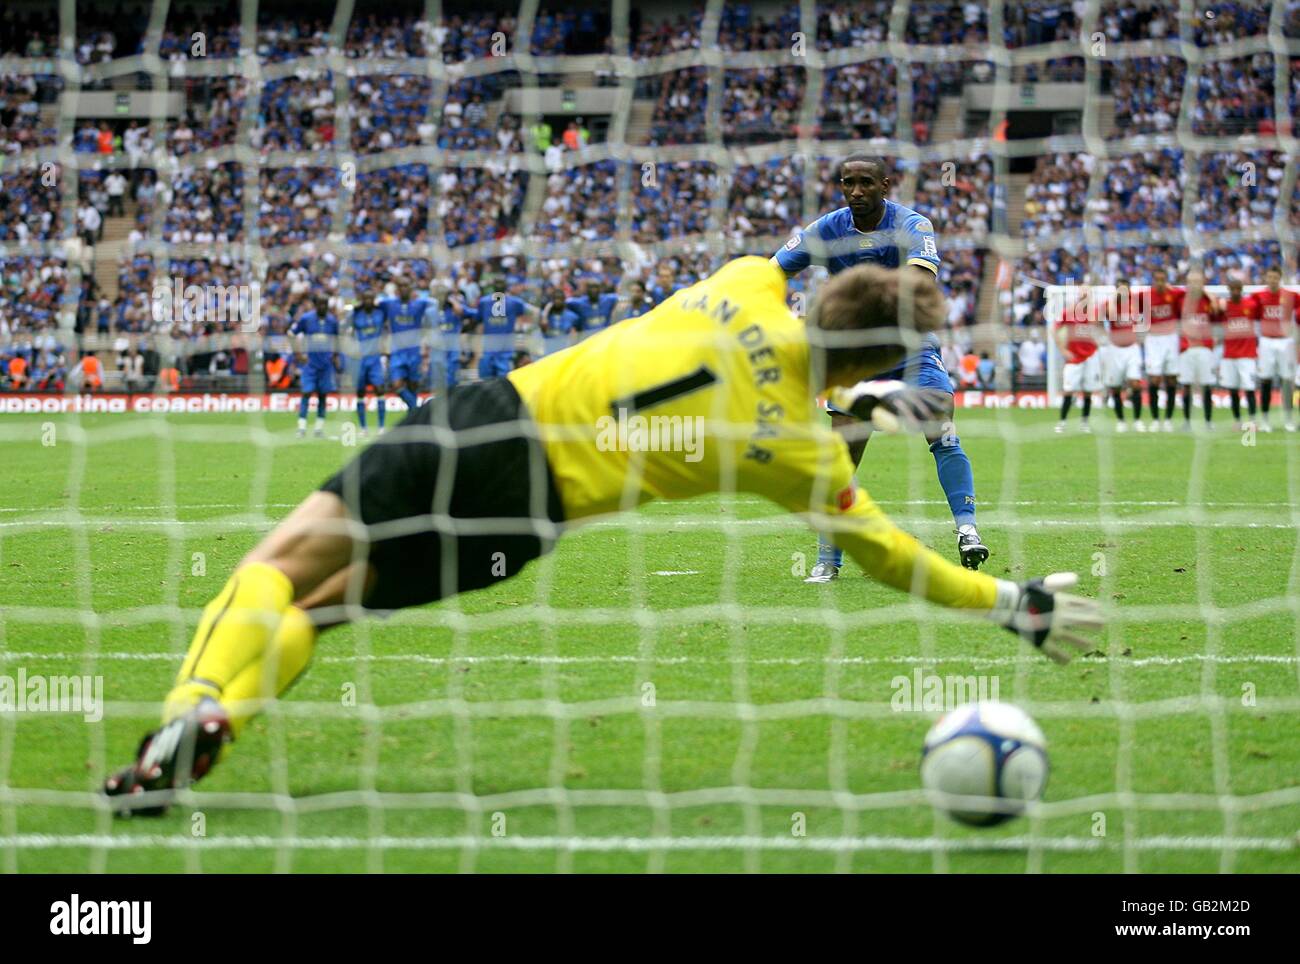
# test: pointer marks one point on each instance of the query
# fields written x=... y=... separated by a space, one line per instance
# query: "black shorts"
x=470 y=510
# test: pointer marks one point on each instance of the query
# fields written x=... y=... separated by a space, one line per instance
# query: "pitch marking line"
x=661 y=524
x=1117 y=503
x=640 y=844
x=545 y=659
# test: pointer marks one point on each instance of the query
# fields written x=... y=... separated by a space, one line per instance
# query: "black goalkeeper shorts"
x=443 y=493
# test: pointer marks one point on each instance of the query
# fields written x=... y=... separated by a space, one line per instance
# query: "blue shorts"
x=404 y=366
x=370 y=371
x=317 y=379
x=923 y=370
x=494 y=364
x=444 y=372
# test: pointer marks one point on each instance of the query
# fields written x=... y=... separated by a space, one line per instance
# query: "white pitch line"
x=666 y=525
x=126 y=841
x=161 y=508
x=987 y=506
x=615 y=658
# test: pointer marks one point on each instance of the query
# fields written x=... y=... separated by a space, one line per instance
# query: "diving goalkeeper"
x=477 y=482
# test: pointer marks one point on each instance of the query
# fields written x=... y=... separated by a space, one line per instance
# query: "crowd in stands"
x=29 y=210
x=466 y=32
x=1144 y=191
x=682 y=218
x=21 y=125
x=1234 y=97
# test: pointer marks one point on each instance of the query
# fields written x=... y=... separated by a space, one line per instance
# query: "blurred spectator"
x=969 y=370
x=1032 y=358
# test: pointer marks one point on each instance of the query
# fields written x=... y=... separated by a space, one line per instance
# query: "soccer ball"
x=991 y=750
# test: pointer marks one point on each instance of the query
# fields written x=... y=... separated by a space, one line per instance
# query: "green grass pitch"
x=663 y=692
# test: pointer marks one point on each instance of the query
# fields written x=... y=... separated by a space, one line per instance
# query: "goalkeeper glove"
x=892 y=406
x=1053 y=621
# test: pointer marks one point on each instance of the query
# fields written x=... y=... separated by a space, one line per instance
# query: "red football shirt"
x=1124 y=315
x=1166 y=309
x=1196 y=324
x=1278 y=312
x=1239 y=339
x=1080 y=340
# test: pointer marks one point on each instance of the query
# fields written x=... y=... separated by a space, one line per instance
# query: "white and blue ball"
x=989 y=750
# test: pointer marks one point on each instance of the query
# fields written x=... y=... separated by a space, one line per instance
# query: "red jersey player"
x=1279 y=311
x=1122 y=359
x=1196 y=346
x=1077 y=335
x=1162 y=345
x=1240 y=347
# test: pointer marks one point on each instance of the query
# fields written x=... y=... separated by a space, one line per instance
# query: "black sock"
x=1118 y=398
x=1087 y=405
x=1137 y=404
x=1187 y=403
x=1250 y=401
x=1169 y=403
x=1065 y=406
x=1207 y=399
x=1153 y=395
x=1265 y=395
x=1234 y=398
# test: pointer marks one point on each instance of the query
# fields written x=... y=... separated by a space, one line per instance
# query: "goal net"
x=664 y=691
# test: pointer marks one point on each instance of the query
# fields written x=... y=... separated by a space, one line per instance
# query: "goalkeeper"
x=478 y=482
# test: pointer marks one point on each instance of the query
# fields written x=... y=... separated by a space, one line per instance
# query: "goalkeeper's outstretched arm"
x=1037 y=611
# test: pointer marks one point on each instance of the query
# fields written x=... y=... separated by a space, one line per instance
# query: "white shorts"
x=1162 y=354
x=1123 y=365
x=1084 y=377
x=1237 y=373
x=1277 y=358
x=1196 y=366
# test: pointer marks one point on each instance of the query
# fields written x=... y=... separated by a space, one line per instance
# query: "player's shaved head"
x=874 y=161
x=864 y=182
x=861 y=317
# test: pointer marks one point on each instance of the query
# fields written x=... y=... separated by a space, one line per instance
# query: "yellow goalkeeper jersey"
x=711 y=391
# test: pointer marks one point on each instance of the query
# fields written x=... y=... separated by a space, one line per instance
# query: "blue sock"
x=956 y=477
x=408 y=396
x=827 y=551
x=320 y=407
x=381 y=411
x=302 y=406
x=361 y=412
